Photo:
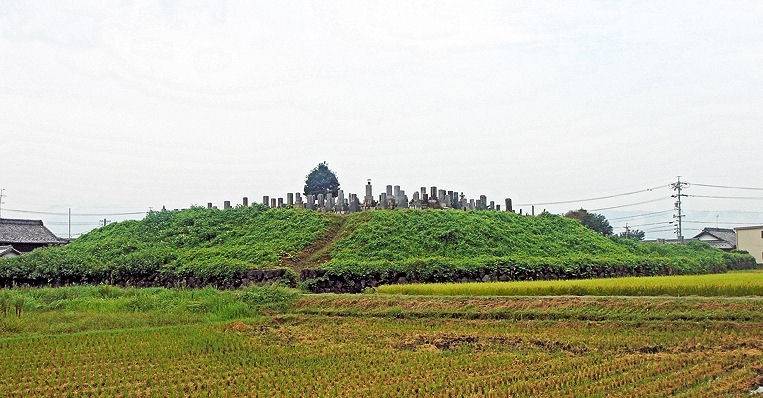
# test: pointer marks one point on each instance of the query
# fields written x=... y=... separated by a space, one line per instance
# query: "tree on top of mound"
x=321 y=180
x=594 y=221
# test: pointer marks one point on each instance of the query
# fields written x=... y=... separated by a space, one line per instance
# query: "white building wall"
x=751 y=240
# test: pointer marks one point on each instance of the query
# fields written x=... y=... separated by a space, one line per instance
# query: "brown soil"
x=317 y=252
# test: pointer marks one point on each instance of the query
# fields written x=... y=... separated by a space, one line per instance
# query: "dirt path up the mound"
x=317 y=252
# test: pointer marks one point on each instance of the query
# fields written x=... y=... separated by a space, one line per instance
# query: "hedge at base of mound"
x=281 y=276
x=59 y=267
x=341 y=277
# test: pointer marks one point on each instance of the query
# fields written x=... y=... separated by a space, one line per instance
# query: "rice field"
x=382 y=346
x=733 y=284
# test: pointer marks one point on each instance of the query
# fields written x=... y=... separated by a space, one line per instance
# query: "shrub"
x=208 y=246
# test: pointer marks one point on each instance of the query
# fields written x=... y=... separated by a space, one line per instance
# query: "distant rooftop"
x=25 y=231
x=725 y=238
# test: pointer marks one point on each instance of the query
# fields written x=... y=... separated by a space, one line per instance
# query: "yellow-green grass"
x=106 y=342
x=326 y=356
x=735 y=284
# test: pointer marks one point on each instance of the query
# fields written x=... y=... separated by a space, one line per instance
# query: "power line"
x=721 y=222
x=728 y=197
x=49 y=213
x=652 y=231
x=641 y=215
x=52 y=213
x=727 y=187
x=134 y=213
x=629 y=204
x=644 y=225
x=723 y=211
x=592 y=199
x=74 y=223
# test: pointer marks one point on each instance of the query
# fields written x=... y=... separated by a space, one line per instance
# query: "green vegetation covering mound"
x=198 y=243
x=435 y=245
x=199 y=246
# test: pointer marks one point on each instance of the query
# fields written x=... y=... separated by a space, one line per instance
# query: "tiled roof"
x=723 y=234
x=25 y=231
x=720 y=244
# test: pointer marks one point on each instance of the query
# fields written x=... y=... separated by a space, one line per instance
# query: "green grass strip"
x=735 y=284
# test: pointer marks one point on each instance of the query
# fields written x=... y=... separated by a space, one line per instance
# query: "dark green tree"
x=633 y=234
x=594 y=221
x=321 y=180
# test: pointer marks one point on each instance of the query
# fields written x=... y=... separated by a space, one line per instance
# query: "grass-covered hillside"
x=434 y=243
x=198 y=242
x=209 y=245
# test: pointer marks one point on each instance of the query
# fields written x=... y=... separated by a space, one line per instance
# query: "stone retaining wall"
x=244 y=278
x=327 y=281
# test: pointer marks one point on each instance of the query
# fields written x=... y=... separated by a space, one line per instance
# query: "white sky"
x=115 y=106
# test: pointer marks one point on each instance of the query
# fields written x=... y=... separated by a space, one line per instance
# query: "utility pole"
x=2 y=195
x=678 y=186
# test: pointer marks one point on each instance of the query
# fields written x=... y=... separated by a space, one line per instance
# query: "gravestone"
x=290 y=199
x=340 y=202
x=354 y=203
x=508 y=205
x=321 y=202
x=280 y=203
x=209 y=205
x=368 y=201
x=273 y=203
x=266 y=200
x=404 y=202
x=245 y=202
x=401 y=199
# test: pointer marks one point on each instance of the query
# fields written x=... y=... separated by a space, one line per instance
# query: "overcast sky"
x=119 y=106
